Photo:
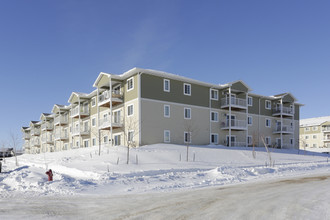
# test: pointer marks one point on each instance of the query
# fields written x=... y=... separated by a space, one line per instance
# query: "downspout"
x=111 y=129
x=79 y=120
x=281 y=101
x=229 y=119
x=247 y=116
x=140 y=107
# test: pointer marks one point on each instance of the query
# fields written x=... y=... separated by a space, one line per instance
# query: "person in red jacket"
x=50 y=175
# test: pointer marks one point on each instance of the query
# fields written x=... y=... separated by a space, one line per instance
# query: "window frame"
x=128 y=84
x=130 y=113
x=168 y=85
x=184 y=113
x=93 y=101
x=184 y=137
x=216 y=92
x=270 y=123
x=165 y=136
x=184 y=89
x=268 y=102
x=217 y=138
x=250 y=103
x=217 y=116
x=250 y=117
x=169 y=111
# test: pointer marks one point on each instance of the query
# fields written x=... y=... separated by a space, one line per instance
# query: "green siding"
x=152 y=88
x=239 y=86
x=132 y=94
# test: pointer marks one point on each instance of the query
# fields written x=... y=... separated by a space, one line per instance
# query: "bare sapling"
x=268 y=152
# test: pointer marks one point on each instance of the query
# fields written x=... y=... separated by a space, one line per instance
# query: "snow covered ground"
x=82 y=173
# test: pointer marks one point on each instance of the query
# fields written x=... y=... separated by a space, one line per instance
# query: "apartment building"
x=142 y=107
x=315 y=133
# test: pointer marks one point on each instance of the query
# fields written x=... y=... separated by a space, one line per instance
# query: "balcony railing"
x=325 y=129
x=47 y=126
x=104 y=98
x=234 y=124
x=105 y=122
x=61 y=136
x=47 y=140
x=35 y=132
x=81 y=131
x=284 y=130
x=281 y=110
x=35 y=142
x=82 y=111
x=61 y=119
x=26 y=136
x=236 y=144
x=233 y=102
x=326 y=138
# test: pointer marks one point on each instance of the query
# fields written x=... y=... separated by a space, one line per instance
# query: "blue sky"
x=274 y=46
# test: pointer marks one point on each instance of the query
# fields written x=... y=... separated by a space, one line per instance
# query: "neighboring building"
x=141 y=107
x=315 y=133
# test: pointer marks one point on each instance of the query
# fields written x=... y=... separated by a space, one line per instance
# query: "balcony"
x=61 y=120
x=284 y=111
x=47 y=140
x=104 y=98
x=47 y=126
x=105 y=123
x=235 y=103
x=35 y=132
x=61 y=136
x=234 y=124
x=285 y=129
x=35 y=142
x=84 y=131
x=81 y=111
x=26 y=136
x=325 y=129
x=326 y=138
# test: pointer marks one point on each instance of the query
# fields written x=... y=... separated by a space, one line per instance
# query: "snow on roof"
x=313 y=121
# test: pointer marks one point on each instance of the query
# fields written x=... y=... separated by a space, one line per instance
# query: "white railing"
x=47 y=139
x=285 y=128
x=35 y=131
x=47 y=126
x=61 y=136
x=26 y=136
x=81 y=131
x=105 y=96
x=35 y=142
x=234 y=102
x=234 y=124
x=283 y=110
x=326 y=129
x=326 y=138
x=61 y=119
x=105 y=122
x=83 y=111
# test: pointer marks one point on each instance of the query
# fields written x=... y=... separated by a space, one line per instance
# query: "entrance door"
x=233 y=140
x=117 y=140
x=232 y=121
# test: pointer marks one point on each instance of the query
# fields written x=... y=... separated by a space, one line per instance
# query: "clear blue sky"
x=275 y=46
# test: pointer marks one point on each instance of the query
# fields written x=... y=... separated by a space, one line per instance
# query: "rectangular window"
x=187 y=113
x=93 y=101
x=117 y=140
x=306 y=137
x=268 y=104
x=130 y=84
x=267 y=140
x=130 y=136
x=314 y=136
x=315 y=128
x=166 y=111
x=167 y=136
x=214 y=116
x=249 y=140
x=167 y=85
x=268 y=123
x=105 y=139
x=249 y=120
x=130 y=110
x=291 y=141
x=214 y=138
x=186 y=89
x=93 y=122
x=307 y=129
x=214 y=94
x=314 y=145
x=187 y=137
x=250 y=101
x=94 y=141
x=86 y=143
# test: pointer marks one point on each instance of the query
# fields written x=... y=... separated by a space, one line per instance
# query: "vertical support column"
x=140 y=107
x=79 y=110
x=293 y=127
x=281 y=102
x=111 y=116
x=210 y=110
x=229 y=119
x=247 y=115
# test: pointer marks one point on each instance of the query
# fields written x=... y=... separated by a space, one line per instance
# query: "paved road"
x=295 y=198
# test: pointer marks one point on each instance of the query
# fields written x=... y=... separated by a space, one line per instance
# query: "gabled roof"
x=313 y=121
x=78 y=94
x=61 y=107
x=46 y=115
x=236 y=82
x=282 y=95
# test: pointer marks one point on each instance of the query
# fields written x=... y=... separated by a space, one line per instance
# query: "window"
x=130 y=136
x=314 y=145
x=249 y=120
x=105 y=139
x=307 y=129
x=291 y=141
x=214 y=138
x=250 y=101
x=187 y=137
x=186 y=89
x=268 y=123
x=268 y=104
x=214 y=94
x=267 y=140
x=306 y=137
x=86 y=143
x=130 y=110
x=65 y=146
x=130 y=84
x=187 y=113
x=167 y=85
x=94 y=141
x=167 y=136
x=93 y=122
x=166 y=111
x=314 y=136
x=93 y=101
x=117 y=140
x=214 y=116
x=249 y=140
x=315 y=128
